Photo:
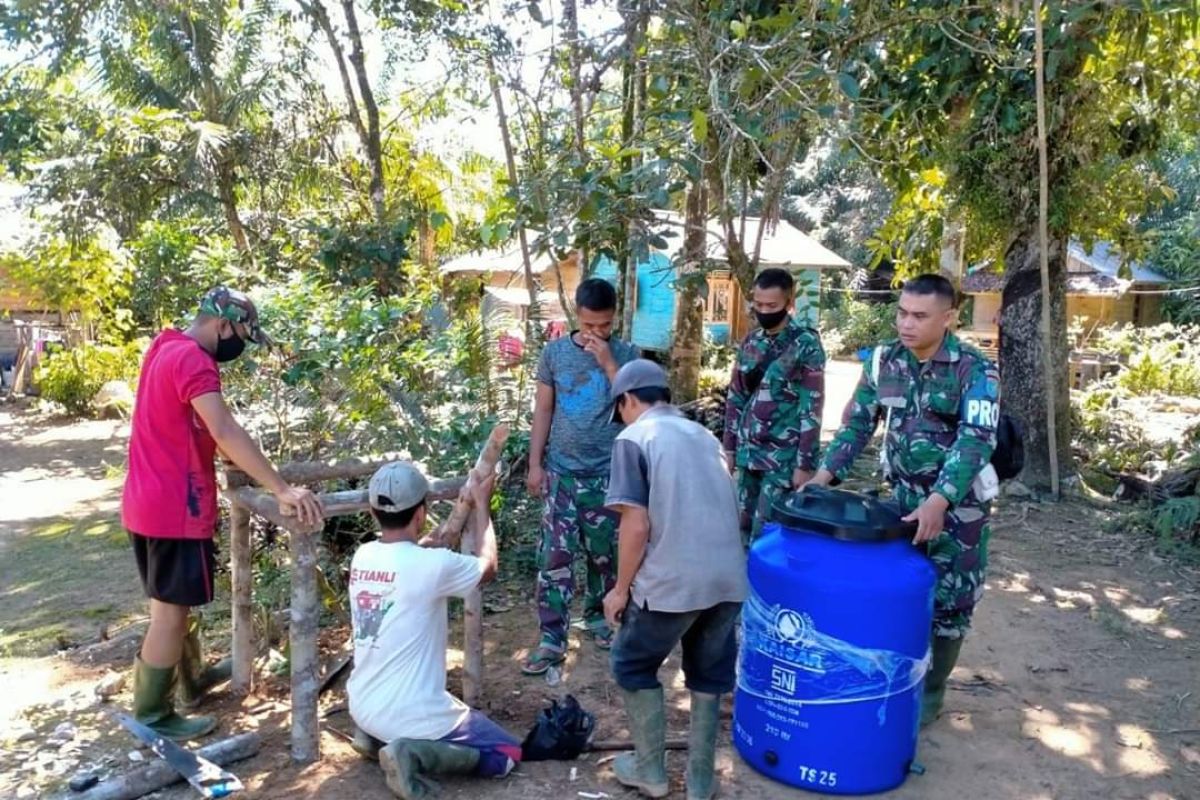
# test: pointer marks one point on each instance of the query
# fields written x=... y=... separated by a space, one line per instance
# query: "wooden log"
x=354 y=501
x=243 y=602
x=451 y=530
x=302 y=639
x=306 y=472
x=266 y=506
x=159 y=775
x=612 y=745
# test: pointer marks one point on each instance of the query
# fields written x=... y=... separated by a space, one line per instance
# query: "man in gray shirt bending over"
x=681 y=575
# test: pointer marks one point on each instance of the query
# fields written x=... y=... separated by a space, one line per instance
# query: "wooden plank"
x=243 y=606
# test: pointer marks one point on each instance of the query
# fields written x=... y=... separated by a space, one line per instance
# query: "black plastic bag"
x=561 y=732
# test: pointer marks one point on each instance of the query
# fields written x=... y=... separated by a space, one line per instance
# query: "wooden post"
x=302 y=638
x=472 y=681
x=243 y=611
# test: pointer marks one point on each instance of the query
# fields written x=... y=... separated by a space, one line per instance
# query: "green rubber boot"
x=153 y=706
x=365 y=744
x=945 y=656
x=702 y=746
x=645 y=769
x=195 y=679
x=408 y=763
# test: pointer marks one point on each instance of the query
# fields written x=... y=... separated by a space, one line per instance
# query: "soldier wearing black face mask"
x=169 y=505
x=776 y=395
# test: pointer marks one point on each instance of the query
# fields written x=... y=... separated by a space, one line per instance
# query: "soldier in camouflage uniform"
x=939 y=400
x=574 y=435
x=776 y=395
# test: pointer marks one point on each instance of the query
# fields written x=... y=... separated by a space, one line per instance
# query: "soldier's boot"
x=645 y=769
x=408 y=763
x=945 y=656
x=702 y=746
x=195 y=678
x=153 y=704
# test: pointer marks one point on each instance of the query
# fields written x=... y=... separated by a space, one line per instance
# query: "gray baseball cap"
x=397 y=486
x=641 y=373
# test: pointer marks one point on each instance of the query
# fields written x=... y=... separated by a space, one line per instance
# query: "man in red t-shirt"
x=169 y=505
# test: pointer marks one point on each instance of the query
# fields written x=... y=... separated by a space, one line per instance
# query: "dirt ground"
x=1081 y=679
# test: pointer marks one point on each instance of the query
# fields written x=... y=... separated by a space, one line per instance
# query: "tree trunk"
x=225 y=189
x=510 y=160
x=633 y=86
x=374 y=144
x=1022 y=381
x=689 y=305
x=574 y=58
x=317 y=11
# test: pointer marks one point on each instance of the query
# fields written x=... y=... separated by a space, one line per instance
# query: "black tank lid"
x=842 y=514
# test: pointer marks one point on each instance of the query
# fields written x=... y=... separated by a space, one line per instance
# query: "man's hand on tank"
x=930 y=517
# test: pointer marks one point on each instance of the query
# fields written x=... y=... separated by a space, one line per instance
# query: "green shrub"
x=856 y=325
x=72 y=377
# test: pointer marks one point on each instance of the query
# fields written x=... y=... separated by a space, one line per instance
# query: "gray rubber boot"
x=702 y=746
x=408 y=763
x=645 y=769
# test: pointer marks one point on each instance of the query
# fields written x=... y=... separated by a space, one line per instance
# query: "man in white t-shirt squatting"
x=398 y=593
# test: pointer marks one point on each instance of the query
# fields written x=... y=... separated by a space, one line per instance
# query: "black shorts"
x=176 y=571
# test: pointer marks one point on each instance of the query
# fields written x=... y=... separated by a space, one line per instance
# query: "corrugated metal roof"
x=785 y=246
x=1089 y=275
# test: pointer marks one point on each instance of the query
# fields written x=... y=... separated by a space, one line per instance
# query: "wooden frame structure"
x=246 y=499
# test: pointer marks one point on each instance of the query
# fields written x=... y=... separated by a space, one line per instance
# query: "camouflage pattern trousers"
x=574 y=520
x=757 y=490
x=960 y=556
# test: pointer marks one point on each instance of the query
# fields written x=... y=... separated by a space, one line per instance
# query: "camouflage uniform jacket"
x=777 y=426
x=943 y=421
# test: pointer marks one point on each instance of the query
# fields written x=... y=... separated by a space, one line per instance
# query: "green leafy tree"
x=952 y=98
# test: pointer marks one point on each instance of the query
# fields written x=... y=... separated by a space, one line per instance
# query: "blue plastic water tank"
x=835 y=645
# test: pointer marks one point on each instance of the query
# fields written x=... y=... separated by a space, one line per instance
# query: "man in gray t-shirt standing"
x=681 y=576
x=571 y=415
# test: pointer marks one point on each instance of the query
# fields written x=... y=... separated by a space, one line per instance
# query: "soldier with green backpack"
x=939 y=401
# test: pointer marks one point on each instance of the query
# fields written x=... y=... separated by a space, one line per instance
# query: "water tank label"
x=786 y=661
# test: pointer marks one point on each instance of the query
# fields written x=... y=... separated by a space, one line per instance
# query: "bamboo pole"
x=1043 y=243
x=302 y=640
x=243 y=611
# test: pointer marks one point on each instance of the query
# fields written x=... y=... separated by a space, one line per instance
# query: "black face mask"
x=771 y=320
x=229 y=347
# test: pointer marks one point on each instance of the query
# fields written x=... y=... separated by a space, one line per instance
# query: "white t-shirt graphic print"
x=398 y=595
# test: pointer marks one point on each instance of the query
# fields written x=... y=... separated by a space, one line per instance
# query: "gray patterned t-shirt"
x=581 y=437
